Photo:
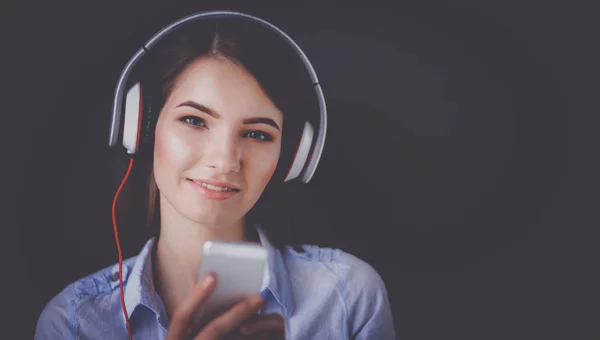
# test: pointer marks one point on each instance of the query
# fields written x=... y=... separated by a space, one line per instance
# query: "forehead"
x=225 y=87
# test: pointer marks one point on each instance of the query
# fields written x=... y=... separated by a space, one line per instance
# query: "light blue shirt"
x=322 y=294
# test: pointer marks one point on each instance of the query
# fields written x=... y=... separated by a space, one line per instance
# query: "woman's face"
x=217 y=143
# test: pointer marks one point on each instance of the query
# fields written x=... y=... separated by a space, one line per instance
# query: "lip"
x=215 y=183
x=211 y=194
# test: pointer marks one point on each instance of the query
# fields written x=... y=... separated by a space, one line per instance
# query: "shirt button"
x=115 y=276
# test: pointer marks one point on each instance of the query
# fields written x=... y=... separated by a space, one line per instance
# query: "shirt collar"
x=140 y=290
x=277 y=275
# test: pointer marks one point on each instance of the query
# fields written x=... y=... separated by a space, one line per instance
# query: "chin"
x=214 y=219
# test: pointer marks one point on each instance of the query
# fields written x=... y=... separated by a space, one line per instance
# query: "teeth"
x=215 y=188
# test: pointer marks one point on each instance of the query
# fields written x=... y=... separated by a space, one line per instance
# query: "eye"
x=259 y=136
x=193 y=121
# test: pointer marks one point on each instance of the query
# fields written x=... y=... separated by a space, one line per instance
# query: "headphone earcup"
x=133 y=117
x=302 y=153
x=138 y=128
x=149 y=115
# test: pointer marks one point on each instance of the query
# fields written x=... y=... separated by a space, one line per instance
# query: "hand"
x=220 y=327
x=263 y=327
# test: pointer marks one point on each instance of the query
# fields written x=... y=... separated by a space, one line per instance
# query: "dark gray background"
x=460 y=160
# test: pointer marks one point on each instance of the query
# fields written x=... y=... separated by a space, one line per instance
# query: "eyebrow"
x=200 y=107
x=209 y=111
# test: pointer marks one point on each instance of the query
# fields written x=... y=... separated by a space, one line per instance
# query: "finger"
x=271 y=323
x=180 y=323
x=231 y=320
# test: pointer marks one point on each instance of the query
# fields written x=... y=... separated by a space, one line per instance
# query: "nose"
x=223 y=154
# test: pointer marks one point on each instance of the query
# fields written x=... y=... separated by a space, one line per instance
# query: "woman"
x=231 y=96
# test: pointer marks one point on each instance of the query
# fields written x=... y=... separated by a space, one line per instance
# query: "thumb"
x=180 y=323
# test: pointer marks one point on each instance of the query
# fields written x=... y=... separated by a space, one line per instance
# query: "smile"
x=213 y=191
x=216 y=188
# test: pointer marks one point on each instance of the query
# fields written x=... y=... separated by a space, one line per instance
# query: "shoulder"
x=353 y=274
x=59 y=316
x=360 y=288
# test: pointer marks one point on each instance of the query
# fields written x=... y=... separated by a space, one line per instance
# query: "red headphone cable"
x=119 y=247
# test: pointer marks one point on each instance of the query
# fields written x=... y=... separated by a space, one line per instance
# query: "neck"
x=179 y=252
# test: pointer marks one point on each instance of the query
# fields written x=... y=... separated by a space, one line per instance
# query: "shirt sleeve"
x=57 y=320
x=368 y=306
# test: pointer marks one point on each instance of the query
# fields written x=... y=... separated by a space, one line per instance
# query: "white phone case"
x=239 y=269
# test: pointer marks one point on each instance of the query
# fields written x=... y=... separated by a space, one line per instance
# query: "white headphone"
x=136 y=118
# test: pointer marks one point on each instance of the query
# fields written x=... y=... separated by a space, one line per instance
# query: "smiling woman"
x=225 y=136
x=221 y=59
x=231 y=95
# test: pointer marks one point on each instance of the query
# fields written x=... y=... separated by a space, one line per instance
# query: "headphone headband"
x=311 y=163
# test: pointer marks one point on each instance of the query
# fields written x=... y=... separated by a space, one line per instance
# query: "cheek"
x=266 y=167
x=170 y=151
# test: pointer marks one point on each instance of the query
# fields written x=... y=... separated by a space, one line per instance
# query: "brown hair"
x=277 y=69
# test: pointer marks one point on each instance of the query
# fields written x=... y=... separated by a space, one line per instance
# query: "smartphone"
x=239 y=268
